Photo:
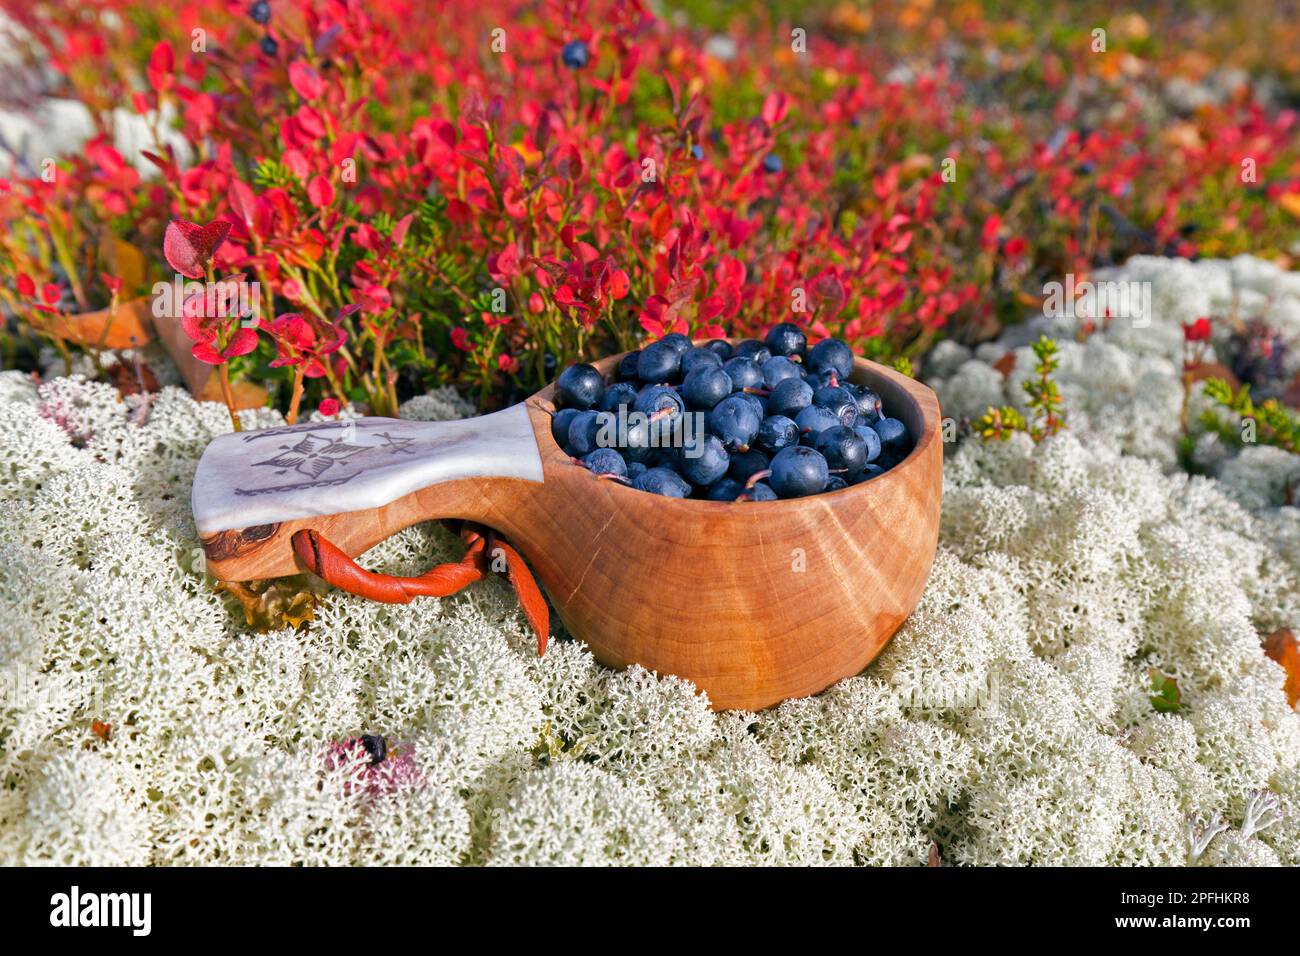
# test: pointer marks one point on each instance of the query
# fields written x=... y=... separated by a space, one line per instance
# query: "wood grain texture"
x=755 y=602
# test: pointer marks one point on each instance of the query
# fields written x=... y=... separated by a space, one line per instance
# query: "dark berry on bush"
x=706 y=386
x=580 y=387
x=659 y=363
x=771 y=163
x=260 y=12
x=744 y=372
x=831 y=354
x=790 y=397
x=697 y=153
x=662 y=481
x=575 y=54
x=786 y=338
x=269 y=46
x=376 y=746
x=798 y=471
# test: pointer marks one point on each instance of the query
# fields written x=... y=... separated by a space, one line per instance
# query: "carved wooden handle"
x=330 y=563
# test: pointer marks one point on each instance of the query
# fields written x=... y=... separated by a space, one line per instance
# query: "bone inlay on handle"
x=303 y=471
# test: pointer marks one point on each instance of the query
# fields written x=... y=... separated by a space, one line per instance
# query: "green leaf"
x=1165 y=695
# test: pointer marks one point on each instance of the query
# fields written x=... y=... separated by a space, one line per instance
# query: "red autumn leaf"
x=402 y=227
x=1283 y=647
x=1198 y=331
x=50 y=293
x=26 y=287
x=320 y=192
x=775 y=106
x=188 y=247
x=162 y=66
x=242 y=201
x=329 y=407
x=989 y=234
x=307 y=83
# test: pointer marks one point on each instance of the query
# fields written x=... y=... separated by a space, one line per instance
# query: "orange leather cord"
x=328 y=562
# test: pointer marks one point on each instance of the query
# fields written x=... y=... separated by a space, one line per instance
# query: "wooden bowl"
x=755 y=602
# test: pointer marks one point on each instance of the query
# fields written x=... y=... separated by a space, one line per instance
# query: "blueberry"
x=664 y=407
x=627 y=366
x=894 y=439
x=575 y=54
x=835 y=483
x=790 y=397
x=823 y=378
x=706 y=386
x=680 y=343
x=841 y=403
x=746 y=464
x=636 y=443
x=844 y=450
x=548 y=363
x=772 y=163
x=620 y=395
x=560 y=426
x=635 y=468
x=658 y=363
x=868 y=435
x=761 y=491
x=724 y=489
x=580 y=387
x=720 y=347
x=269 y=46
x=776 y=432
x=753 y=349
x=869 y=407
x=605 y=461
x=831 y=354
x=696 y=357
x=697 y=152
x=744 y=373
x=812 y=421
x=704 y=461
x=585 y=430
x=756 y=402
x=735 y=422
x=777 y=369
x=798 y=471
x=376 y=746
x=786 y=338
x=871 y=471
x=260 y=12
x=662 y=481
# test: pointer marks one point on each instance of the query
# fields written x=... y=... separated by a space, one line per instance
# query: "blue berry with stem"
x=606 y=463
x=580 y=387
x=575 y=54
x=662 y=481
x=753 y=349
x=844 y=450
x=894 y=439
x=790 y=397
x=786 y=338
x=744 y=465
x=724 y=489
x=735 y=422
x=260 y=12
x=760 y=491
x=776 y=432
x=777 y=369
x=831 y=354
x=841 y=403
x=869 y=406
x=704 y=461
x=812 y=421
x=798 y=471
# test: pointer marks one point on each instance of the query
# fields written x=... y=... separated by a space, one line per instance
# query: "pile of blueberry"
x=760 y=421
